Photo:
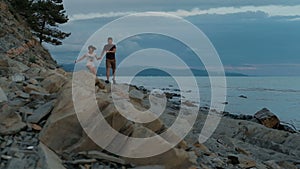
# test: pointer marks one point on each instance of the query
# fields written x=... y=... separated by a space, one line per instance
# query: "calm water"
x=279 y=94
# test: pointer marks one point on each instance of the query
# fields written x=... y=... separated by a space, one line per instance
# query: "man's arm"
x=102 y=53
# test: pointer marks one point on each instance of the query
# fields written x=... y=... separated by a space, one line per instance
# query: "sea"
x=244 y=95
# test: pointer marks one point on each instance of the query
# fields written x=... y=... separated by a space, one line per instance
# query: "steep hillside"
x=17 y=42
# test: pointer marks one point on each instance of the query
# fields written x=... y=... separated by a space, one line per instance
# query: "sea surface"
x=244 y=95
x=281 y=95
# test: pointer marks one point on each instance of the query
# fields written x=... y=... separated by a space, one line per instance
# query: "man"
x=110 y=50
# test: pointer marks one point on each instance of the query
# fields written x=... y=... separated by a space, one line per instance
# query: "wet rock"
x=136 y=94
x=243 y=96
x=40 y=113
x=267 y=118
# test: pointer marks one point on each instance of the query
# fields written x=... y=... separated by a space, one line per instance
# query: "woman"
x=91 y=56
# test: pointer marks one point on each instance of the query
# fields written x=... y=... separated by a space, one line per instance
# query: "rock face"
x=64 y=120
x=267 y=118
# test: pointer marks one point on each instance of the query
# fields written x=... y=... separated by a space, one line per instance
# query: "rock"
x=40 y=113
x=18 y=77
x=36 y=127
x=246 y=162
x=16 y=163
x=102 y=156
x=136 y=94
x=16 y=66
x=54 y=82
x=63 y=132
x=3 y=97
x=272 y=164
x=48 y=159
x=22 y=95
x=233 y=159
x=267 y=118
x=33 y=81
x=151 y=167
x=243 y=96
x=11 y=122
x=29 y=88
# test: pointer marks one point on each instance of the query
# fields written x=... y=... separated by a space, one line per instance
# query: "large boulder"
x=54 y=82
x=64 y=132
x=267 y=118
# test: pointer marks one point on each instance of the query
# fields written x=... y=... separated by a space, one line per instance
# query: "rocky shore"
x=39 y=128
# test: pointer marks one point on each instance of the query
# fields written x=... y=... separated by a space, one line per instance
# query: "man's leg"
x=107 y=70
x=113 y=65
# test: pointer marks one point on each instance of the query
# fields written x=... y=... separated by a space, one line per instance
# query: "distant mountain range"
x=129 y=71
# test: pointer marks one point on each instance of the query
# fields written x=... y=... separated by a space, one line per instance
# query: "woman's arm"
x=80 y=59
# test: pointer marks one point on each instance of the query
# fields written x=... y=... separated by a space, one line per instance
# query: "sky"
x=254 y=37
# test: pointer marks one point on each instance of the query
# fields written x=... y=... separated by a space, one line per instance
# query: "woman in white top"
x=91 y=57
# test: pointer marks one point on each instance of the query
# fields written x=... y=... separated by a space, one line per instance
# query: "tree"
x=47 y=15
x=44 y=17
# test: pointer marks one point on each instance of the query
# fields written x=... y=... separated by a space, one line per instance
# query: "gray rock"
x=22 y=95
x=48 y=159
x=151 y=167
x=3 y=97
x=11 y=122
x=40 y=112
x=267 y=118
x=18 y=77
x=136 y=94
x=16 y=163
x=102 y=156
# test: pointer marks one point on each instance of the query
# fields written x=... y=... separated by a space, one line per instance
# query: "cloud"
x=270 y=10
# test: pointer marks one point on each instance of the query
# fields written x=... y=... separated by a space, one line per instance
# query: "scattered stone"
x=6 y=157
x=33 y=81
x=233 y=159
x=151 y=167
x=48 y=159
x=272 y=164
x=54 y=82
x=136 y=94
x=22 y=95
x=243 y=96
x=36 y=127
x=102 y=156
x=81 y=161
x=3 y=97
x=40 y=113
x=29 y=88
x=11 y=122
x=18 y=78
x=16 y=163
x=267 y=118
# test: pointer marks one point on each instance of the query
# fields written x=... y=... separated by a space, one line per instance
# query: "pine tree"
x=48 y=14
x=43 y=17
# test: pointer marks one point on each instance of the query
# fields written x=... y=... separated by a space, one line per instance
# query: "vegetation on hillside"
x=43 y=17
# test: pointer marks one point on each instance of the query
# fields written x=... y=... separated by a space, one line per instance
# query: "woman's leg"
x=92 y=69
